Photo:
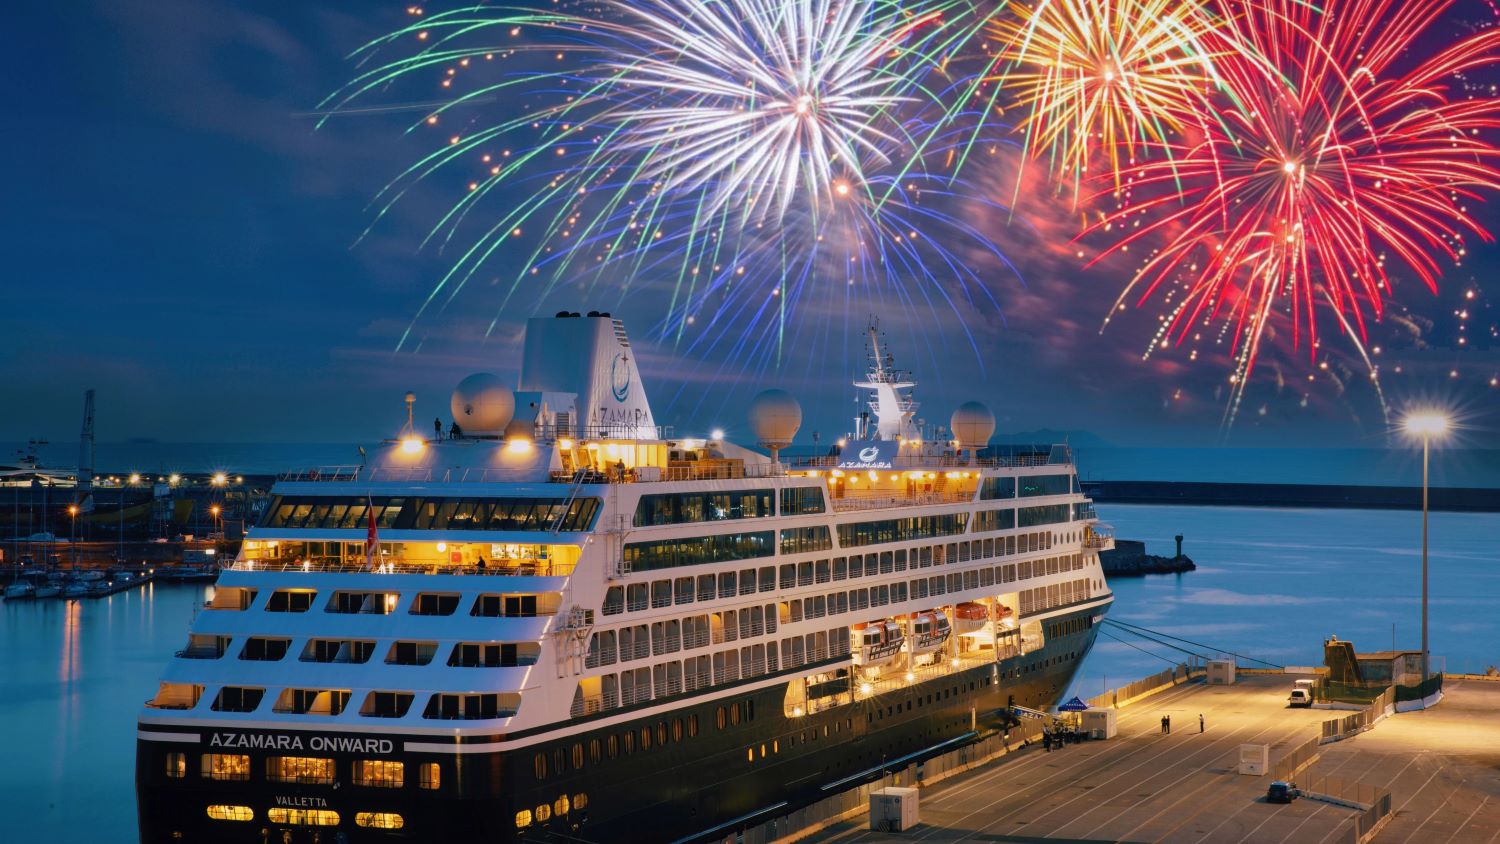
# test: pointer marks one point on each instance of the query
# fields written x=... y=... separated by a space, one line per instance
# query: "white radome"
x=973 y=424
x=483 y=404
x=774 y=418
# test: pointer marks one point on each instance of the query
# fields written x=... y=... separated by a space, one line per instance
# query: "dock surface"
x=1184 y=787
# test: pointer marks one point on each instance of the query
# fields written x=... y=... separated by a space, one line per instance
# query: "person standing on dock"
x=1200 y=722
x=1166 y=725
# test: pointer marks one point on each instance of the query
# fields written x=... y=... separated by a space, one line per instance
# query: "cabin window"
x=232 y=767
x=238 y=699
x=386 y=704
x=379 y=820
x=379 y=773
x=312 y=701
x=303 y=817
x=429 y=603
x=263 y=649
x=429 y=776
x=411 y=653
x=290 y=600
x=302 y=770
x=221 y=812
x=176 y=765
x=523 y=819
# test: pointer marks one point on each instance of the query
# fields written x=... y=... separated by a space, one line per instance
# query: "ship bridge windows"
x=311 y=701
x=494 y=655
x=291 y=600
x=411 y=653
x=238 y=699
x=231 y=598
x=176 y=696
x=363 y=602
x=430 y=513
x=386 y=704
x=337 y=650
x=471 y=707
x=435 y=603
x=689 y=507
x=264 y=649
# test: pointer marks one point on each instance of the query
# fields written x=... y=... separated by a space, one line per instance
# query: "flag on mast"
x=372 y=539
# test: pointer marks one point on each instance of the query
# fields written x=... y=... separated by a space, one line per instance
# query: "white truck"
x=1302 y=693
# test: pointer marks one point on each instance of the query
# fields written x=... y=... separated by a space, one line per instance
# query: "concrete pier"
x=1184 y=787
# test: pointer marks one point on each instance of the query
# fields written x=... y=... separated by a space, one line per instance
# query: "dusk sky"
x=183 y=238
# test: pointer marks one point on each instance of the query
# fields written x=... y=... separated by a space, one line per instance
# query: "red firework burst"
x=1341 y=153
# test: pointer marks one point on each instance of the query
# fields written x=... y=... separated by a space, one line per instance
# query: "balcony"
x=501 y=568
x=857 y=500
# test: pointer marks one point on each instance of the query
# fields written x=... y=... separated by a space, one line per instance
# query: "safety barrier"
x=1131 y=692
x=1336 y=729
x=1372 y=802
x=1296 y=759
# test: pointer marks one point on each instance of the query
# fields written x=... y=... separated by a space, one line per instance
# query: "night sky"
x=180 y=236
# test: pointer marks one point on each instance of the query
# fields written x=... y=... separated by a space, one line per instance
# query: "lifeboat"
x=929 y=630
x=970 y=616
x=875 y=643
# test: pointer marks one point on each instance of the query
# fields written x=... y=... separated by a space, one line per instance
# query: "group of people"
x=1059 y=734
x=1166 y=724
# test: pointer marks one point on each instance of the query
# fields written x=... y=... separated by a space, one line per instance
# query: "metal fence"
x=1335 y=729
x=1295 y=759
x=1420 y=691
x=1125 y=694
x=856 y=800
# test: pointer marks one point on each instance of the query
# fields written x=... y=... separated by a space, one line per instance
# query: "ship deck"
x=1143 y=786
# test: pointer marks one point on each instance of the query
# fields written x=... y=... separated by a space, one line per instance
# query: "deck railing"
x=541 y=568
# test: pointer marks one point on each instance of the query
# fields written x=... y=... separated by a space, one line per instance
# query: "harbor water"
x=1271 y=584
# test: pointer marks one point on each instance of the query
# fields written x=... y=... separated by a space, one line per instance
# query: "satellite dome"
x=775 y=417
x=483 y=404
x=973 y=424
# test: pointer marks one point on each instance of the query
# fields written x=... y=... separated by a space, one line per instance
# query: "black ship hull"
x=679 y=777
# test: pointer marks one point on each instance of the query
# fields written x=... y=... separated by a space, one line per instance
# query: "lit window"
x=299 y=769
x=303 y=817
x=523 y=819
x=379 y=773
x=580 y=802
x=543 y=813
x=560 y=806
x=429 y=776
x=176 y=765
x=379 y=820
x=226 y=766
x=231 y=813
x=749 y=754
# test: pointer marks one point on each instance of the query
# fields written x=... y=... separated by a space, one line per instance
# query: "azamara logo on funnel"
x=877 y=455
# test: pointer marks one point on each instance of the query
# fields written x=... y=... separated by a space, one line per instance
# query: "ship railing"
x=201 y=653
x=706 y=470
x=873 y=500
x=1015 y=459
x=502 y=568
x=696 y=639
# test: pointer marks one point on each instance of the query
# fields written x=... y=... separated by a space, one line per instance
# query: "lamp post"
x=73 y=535
x=1425 y=424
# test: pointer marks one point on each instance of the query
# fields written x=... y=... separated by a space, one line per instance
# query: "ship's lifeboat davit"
x=876 y=643
x=928 y=631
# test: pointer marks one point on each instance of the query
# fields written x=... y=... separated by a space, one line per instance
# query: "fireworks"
x=1345 y=156
x=1102 y=79
x=735 y=156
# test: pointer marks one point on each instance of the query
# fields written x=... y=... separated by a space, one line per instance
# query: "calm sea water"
x=1271 y=584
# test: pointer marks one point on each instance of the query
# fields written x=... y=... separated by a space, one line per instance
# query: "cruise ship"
x=559 y=621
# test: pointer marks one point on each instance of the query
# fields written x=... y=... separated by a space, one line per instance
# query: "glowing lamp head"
x=518 y=445
x=1427 y=423
x=214 y=510
x=411 y=445
x=72 y=509
x=220 y=479
x=135 y=477
x=865 y=689
x=565 y=444
x=716 y=434
x=174 y=478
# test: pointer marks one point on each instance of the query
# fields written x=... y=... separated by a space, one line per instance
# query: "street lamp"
x=73 y=535
x=1425 y=424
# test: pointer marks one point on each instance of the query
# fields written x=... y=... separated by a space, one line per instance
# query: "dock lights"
x=1425 y=424
x=174 y=478
x=411 y=445
x=716 y=434
x=220 y=479
x=135 y=477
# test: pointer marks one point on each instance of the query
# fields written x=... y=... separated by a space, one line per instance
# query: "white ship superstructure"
x=562 y=618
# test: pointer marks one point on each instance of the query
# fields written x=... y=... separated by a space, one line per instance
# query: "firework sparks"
x=1106 y=78
x=730 y=154
x=1348 y=156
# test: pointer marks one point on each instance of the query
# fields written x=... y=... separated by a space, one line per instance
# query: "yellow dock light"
x=219 y=479
x=135 y=477
x=411 y=445
x=174 y=478
x=1428 y=423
